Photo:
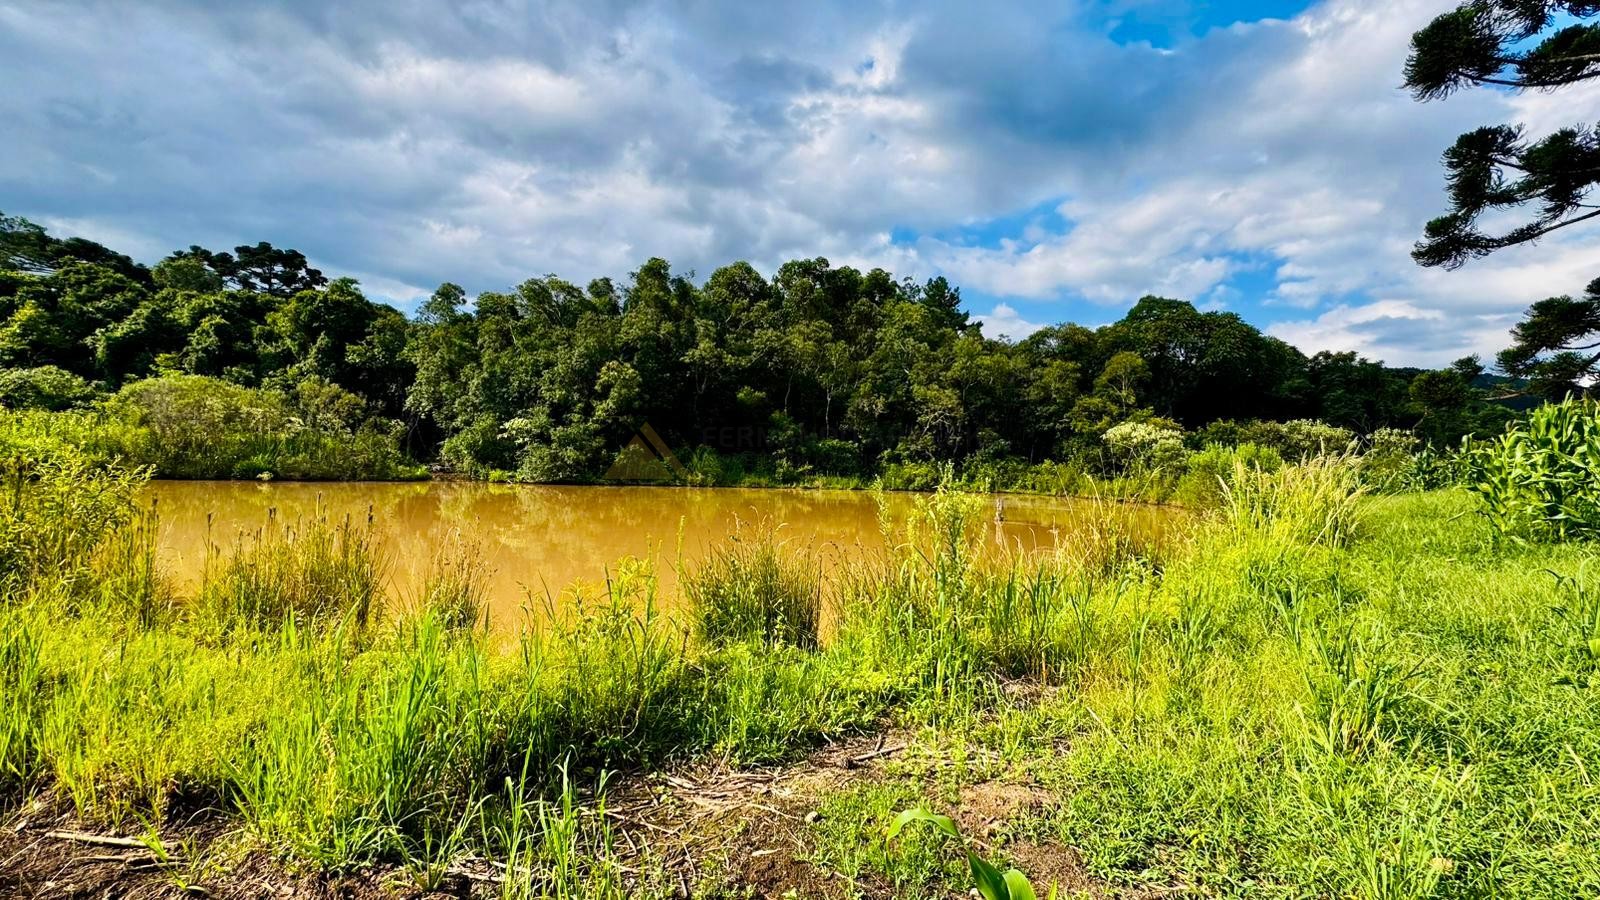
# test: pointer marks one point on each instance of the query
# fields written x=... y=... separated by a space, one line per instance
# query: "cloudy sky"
x=1057 y=160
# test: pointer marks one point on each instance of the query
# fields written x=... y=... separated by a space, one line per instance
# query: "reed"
x=755 y=590
x=456 y=587
x=311 y=572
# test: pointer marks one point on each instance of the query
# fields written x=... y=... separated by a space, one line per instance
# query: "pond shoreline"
x=457 y=478
x=557 y=542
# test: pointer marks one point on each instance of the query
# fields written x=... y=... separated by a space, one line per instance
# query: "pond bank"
x=1313 y=695
x=539 y=544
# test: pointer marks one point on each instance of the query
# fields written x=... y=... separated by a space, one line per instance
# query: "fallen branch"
x=102 y=840
x=853 y=761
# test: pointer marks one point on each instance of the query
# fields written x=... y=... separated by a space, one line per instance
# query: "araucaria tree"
x=1487 y=42
x=1499 y=171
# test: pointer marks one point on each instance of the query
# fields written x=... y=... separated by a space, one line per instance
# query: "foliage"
x=1143 y=446
x=58 y=509
x=1495 y=170
x=989 y=881
x=190 y=426
x=1541 y=479
x=1314 y=503
x=829 y=373
x=1506 y=43
x=753 y=590
x=1554 y=346
x=293 y=574
x=815 y=375
x=43 y=387
x=1389 y=461
x=1277 y=704
x=1208 y=472
x=1304 y=439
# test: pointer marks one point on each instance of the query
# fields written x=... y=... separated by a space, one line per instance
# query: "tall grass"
x=456 y=587
x=55 y=512
x=756 y=590
x=308 y=572
x=1313 y=694
x=1314 y=503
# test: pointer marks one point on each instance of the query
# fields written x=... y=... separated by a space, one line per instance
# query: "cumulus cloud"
x=416 y=141
x=1387 y=329
x=1005 y=322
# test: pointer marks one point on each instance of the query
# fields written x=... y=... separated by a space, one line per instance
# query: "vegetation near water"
x=1369 y=666
x=1316 y=691
x=254 y=364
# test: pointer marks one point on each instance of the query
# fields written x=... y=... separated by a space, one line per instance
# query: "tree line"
x=819 y=368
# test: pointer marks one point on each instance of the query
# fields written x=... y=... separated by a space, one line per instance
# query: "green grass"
x=753 y=590
x=1313 y=694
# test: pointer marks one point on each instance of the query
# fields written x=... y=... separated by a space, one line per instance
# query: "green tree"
x=1521 y=45
x=27 y=247
x=1556 y=346
x=260 y=268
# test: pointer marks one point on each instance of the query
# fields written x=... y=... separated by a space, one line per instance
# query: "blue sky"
x=1057 y=160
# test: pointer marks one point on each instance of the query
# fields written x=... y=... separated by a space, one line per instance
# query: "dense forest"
x=818 y=370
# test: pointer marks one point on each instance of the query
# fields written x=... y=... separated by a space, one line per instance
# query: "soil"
x=705 y=829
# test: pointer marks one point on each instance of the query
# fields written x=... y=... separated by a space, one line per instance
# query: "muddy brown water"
x=546 y=544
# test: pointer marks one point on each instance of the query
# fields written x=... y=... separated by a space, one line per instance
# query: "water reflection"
x=541 y=541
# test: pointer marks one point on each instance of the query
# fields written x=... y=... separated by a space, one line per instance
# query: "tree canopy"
x=1496 y=170
x=818 y=368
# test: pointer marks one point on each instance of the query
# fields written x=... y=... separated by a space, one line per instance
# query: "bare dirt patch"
x=704 y=828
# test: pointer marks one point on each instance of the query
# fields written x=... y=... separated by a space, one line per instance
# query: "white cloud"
x=1398 y=331
x=1005 y=322
x=489 y=142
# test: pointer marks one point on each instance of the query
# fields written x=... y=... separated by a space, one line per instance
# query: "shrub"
x=478 y=448
x=1432 y=469
x=1297 y=440
x=1144 y=446
x=1051 y=477
x=1390 y=461
x=44 y=387
x=1225 y=432
x=190 y=426
x=1305 y=438
x=705 y=467
x=833 y=456
x=1541 y=479
x=911 y=476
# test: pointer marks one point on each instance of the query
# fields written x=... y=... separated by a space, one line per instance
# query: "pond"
x=542 y=542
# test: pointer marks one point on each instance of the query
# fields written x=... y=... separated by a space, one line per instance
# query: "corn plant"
x=1581 y=612
x=1541 y=479
x=990 y=881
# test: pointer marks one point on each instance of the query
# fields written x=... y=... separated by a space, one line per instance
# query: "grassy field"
x=1314 y=693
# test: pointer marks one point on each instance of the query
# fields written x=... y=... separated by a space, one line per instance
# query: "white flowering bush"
x=1146 y=446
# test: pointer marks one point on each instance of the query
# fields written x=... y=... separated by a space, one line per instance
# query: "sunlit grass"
x=1309 y=693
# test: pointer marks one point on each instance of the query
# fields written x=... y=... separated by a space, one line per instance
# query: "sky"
x=1056 y=160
